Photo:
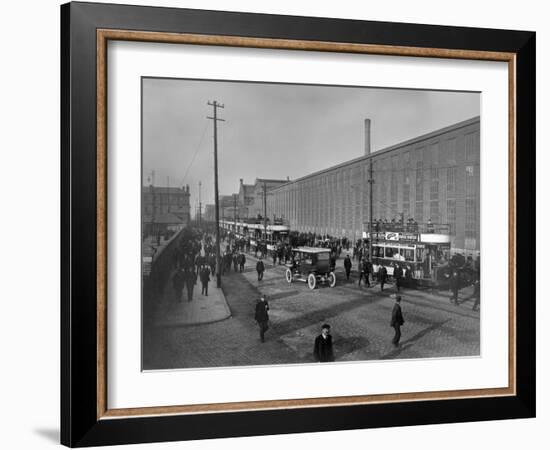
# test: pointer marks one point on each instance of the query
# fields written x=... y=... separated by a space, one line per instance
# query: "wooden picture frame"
x=85 y=416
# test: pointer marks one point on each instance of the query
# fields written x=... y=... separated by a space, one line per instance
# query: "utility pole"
x=153 y=203
x=371 y=182
x=168 y=189
x=200 y=204
x=215 y=105
x=265 y=213
x=235 y=211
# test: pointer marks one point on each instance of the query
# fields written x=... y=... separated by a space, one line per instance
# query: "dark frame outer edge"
x=526 y=226
x=79 y=426
x=65 y=371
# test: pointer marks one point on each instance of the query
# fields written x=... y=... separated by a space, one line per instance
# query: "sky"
x=277 y=130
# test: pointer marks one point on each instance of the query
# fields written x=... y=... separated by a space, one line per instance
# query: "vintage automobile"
x=311 y=265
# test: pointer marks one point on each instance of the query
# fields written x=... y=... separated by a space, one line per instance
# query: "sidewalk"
x=201 y=310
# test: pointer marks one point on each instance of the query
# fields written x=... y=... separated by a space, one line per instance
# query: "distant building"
x=164 y=208
x=256 y=208
x=209 y=213
x=247 y=203
x=432 y=177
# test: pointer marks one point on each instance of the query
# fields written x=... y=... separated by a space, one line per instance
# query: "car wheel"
x=331 y=279
x=288 y=275
x=311 y=281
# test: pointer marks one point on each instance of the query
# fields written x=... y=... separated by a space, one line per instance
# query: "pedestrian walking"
x=397 y=320
x=398 y=275
x=235 y=262
x=190 y=281
x=212 y=263
x=454 y=285
x=205 y=278
x=261 y=316
x=368 y=271
x=260 y=268
x=322 y=348
x=332 y=261
x=242 y=261
x=476 y=295
x=382 y=276
x=363 y=272
x=347 y=266
x=178 y=282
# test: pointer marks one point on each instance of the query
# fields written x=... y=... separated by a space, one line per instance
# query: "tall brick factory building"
x=432 y=177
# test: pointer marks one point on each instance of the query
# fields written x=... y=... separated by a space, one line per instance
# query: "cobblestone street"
x=359 y=318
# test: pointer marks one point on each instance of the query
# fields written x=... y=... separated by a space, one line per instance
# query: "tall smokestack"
x=367 y=137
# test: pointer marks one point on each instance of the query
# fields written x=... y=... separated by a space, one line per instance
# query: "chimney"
x=367 y=137
x=241 y=180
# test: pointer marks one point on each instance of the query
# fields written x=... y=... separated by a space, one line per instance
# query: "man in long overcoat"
x=382 y=276
x=347 y=266
x=322 y=348
x=398 y=275
x=242 y=261
x=454 y=285
x=190 y=281
x=261 y=316
x=260 y=268
x=178 y=282
x=205 y=278
x=397 y=320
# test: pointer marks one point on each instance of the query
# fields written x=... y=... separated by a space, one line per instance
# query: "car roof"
x=312 y=250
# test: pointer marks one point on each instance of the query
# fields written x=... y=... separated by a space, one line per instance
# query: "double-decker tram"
x=422 y=253
x=272 y=233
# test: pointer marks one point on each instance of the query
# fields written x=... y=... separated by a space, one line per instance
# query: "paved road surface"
x=359 y=318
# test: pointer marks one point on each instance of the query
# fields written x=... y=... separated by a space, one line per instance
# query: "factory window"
x=434 y=211
x=434 y=184
x=419 y=212
x=451 y=182
x=451 y=151
x=470 y=181
x=471 y=146
x=419 y=181
x=471 y=228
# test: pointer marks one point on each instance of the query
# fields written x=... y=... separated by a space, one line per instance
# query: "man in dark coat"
x=382 y=276
x=212 y=263
x=476 y=294
x=322 y=348
x=260 y=268
x=205 y=278
x=397 y=320
x=190 y=281
x=454 y=285
x=178 y=282
x=364 y=272
x=242 y=261
x=236 y=262
x=398 y=275
x=261 y=316
x=347 y=266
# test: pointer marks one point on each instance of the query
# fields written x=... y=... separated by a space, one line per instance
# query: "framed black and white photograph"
x=291 y=224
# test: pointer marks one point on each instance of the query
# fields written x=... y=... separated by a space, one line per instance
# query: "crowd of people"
x=194 y=260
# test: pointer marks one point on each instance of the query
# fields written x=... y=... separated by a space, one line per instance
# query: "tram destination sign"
x=394 y=236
